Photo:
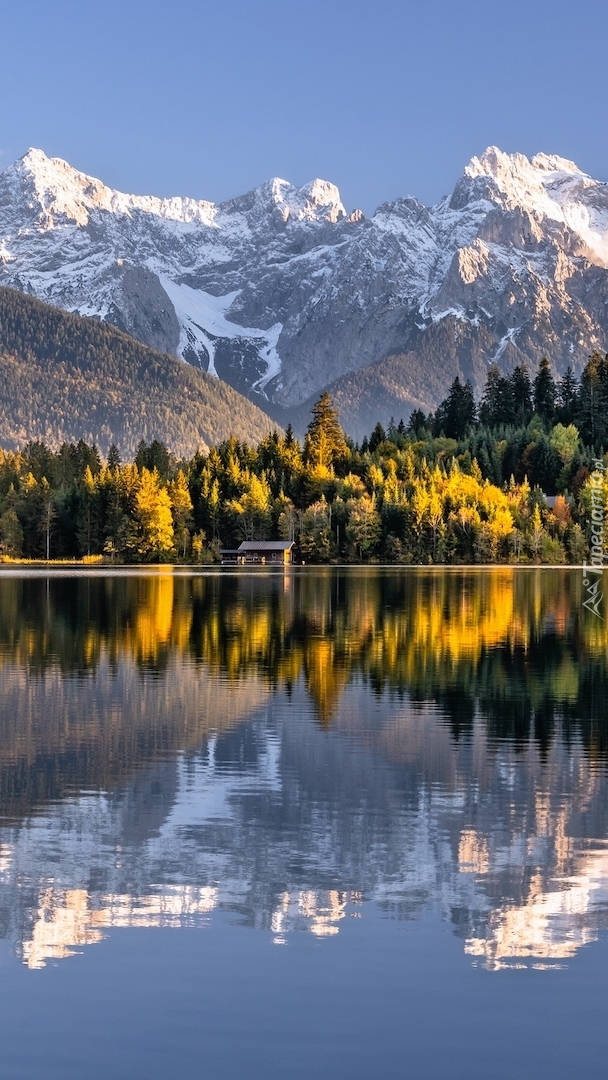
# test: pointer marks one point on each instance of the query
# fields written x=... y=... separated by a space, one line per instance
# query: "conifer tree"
x=11 y=534
x=113 y=458
x=457 y=413
x=155 y=456
x=592 y=410
x=545 y=392
x=325 y=441
x=418 y=424
x=497 y=403
x=567 y=394
x=522 y=394
x=377 y=436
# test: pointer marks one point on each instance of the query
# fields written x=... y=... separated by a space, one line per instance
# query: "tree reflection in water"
x=457 y=752
x=513 y=644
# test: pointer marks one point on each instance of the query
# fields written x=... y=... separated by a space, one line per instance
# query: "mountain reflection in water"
x=289 y=747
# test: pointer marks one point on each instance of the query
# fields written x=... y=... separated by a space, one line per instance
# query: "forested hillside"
x=513 y=480
x=64 y=378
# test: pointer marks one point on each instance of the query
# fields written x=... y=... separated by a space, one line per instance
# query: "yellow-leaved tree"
x=181 y=510
x=155 y=534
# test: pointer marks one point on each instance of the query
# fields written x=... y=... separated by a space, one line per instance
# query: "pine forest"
x=505 y=480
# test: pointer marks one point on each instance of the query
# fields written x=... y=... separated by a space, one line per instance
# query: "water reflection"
x=291 y=747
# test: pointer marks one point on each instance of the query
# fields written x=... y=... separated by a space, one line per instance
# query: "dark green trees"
x=522 y=395
x=567 y=391
x=592 y=405
x=498 y=402
x=458 y=412
x=545 y=392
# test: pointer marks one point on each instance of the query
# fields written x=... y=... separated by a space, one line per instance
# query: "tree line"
x=468 y=484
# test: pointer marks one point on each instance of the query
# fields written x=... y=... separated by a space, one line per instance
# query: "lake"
x=313 y=823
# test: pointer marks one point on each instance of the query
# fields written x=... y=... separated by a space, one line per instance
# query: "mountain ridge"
x=64 y=377
x=281 y=293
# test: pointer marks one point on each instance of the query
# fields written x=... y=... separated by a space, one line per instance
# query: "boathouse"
x=262 y=552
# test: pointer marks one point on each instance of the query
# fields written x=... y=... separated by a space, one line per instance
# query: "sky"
x=385 y=98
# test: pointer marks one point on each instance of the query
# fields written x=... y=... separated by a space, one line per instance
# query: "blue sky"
x=384 y=98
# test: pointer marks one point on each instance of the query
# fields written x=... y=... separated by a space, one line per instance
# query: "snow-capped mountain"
x=281 y=292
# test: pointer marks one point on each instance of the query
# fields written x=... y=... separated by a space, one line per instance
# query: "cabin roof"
x=266 y=545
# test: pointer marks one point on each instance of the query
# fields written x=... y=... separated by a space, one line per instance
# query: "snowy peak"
x=554 y=163
x=279 y=292
x=62 y=193
x=321 y=200
x=544 y=184
x=59 y=191
x=283 y=202
x=510 y=168
x=550 y=189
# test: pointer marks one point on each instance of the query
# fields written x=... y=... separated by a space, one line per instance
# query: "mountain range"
x=283 y=293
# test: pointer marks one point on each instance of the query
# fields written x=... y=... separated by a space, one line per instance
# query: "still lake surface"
x=321 y=823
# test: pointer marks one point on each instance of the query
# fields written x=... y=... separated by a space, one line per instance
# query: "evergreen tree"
x=592 y=406
x=325 y=441
x=567 y=396
x=11 y=534
x=418 y=424
x=497 y=403
x=457 y=413
x=522 y=394
x=155 y=456
x=39 y=461
x=88 y=532
x=113 y=458
x=85 y=457
x=545 y=465
x=545 y=392
x=377 y=436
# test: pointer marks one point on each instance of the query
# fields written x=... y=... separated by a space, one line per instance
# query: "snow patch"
x=504 y=341
x=203 y=317
x=457 y=313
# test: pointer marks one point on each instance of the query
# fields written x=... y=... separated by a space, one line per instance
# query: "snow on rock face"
x=553 y=188
x=473 y=261
x=280 y=291
x=62 y=192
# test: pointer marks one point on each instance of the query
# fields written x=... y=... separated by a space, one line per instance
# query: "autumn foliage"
x=402 y=497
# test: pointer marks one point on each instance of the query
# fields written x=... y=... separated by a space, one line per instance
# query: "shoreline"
x=40 y=568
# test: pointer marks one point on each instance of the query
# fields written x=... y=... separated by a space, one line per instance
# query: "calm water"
x=320 y=824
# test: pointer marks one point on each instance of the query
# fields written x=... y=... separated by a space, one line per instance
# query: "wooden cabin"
x=262 y=552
